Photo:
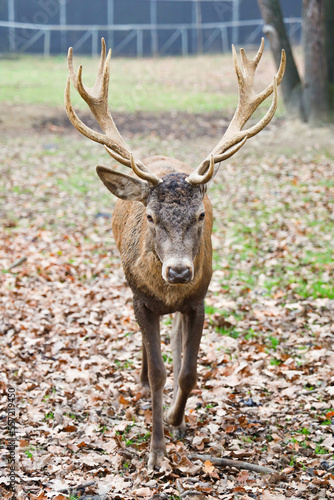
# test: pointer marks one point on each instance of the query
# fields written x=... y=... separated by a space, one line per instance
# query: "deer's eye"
x=201 y=216
x=149 y=218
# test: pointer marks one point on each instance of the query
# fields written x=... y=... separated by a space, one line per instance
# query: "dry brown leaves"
x=71 y=348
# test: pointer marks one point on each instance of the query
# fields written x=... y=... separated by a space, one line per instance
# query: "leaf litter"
x=71 y=348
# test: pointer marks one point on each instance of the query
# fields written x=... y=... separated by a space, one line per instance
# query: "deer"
x=162 y=225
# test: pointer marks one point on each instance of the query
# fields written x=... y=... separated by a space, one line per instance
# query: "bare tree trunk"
x=316 y=92
x=329 y=27
x=275 y=31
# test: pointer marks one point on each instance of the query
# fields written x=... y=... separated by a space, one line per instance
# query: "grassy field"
x=195 y=85
x=70 y=344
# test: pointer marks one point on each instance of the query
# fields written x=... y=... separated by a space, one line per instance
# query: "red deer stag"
x=162 y=225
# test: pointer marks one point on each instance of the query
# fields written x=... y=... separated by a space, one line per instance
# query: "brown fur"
x=142 y=266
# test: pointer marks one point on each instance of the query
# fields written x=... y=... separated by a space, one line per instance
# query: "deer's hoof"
x=179 y=432
x=155 y=459
x=145 y=389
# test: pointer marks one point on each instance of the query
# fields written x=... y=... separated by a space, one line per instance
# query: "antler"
x=234 y=137
x=97 y=100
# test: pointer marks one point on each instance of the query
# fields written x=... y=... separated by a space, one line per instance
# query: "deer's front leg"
x=149 y=324
x=144 y=368
x=191 y=337
x=176 y=345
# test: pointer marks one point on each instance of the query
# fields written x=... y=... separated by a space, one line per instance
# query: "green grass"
x=210 y=309
x=39 y=80
x=73 y=183
x=273 y=342
x=167 y=358
x=28 y=451
x=275 y=362
x=304 y=431
x=135 y=84
x=320 y=450
x=229 y=332
x=305 y=268
x=316 y=289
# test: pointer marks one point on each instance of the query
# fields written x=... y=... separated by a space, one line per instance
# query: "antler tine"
x=147 y=176
x=224 y=156
x=234 y=137
x=90 y=133
x=102 y=72
x=258 y=56
x=279 y=76
x=80 y=86
x=105 y=75
x=97 y=100
x=248 y=66
x=227 y=150
x=70 y=66
x=102 y=58
x=196 y=178
x=247 y=97
x=250 y=132
x=118 y=158
x=259 y=52
x=231 y=151
x=236 y=66
x=100 y=89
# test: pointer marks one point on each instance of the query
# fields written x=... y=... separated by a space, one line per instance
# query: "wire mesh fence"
x=145 y=28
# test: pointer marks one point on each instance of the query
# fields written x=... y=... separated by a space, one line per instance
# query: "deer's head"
x=175 y=215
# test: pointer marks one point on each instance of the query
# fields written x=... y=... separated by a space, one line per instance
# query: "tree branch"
x=233 y=463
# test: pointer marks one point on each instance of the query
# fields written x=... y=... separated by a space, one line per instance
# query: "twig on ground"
x=17 y=262
x=76 y=488
x=233 y=463
x=184 y=493
x=201 y=484
x=86 y=485
x=94 y=497
x=307 y=392
x=192 y=493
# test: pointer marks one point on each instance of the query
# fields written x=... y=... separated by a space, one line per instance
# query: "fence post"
x=154 y=32
x=11 y=18
x=140 y=46
x=184 y=38
x=62 y=21
x=95 y=35
x=198 y=21
x=224 y=39
x=110 y=20
x=47 y=42
x=235 y=18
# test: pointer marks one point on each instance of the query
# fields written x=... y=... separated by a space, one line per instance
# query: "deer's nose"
x=179 y=274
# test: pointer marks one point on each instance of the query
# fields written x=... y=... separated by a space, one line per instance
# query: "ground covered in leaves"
x=71 y=349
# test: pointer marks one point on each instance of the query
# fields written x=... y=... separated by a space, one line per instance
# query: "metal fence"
x=49 y=26
x=210 y=34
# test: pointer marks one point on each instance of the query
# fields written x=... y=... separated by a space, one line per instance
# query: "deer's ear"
x=123 y=186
